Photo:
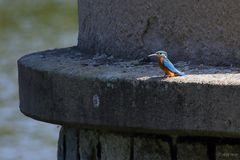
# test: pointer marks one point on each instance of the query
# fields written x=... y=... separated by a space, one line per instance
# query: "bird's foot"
x=167 y=76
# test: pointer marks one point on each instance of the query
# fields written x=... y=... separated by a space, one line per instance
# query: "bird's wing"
x=170 y=66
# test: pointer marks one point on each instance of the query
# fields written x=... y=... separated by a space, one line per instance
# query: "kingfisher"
x=166 y=65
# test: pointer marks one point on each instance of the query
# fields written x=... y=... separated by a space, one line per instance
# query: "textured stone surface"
x=94 y=145
x=88 y=145
x=192 y=151
x=228 y=152
x=68 y=144
x=82 y=144
x=64 y=87
x=71 y=144
x=115 y=147
x=192 y=30
x=61 y=145
x=151 y=149
x=103 y=145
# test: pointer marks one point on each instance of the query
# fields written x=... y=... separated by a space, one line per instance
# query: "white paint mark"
x=96 y=101
x=110 y=85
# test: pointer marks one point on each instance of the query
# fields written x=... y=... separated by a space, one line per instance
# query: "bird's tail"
x=182 y=74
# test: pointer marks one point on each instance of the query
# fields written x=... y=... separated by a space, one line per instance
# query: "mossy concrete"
x=88 y=144
x=228 y=152
x=84 y=144
x=146 y=148
x=103 y=145
x=115 y=146
x=192 y=151
x=70 y=88
x=68 y=144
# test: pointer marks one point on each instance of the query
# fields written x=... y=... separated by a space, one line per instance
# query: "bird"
x=166 y=65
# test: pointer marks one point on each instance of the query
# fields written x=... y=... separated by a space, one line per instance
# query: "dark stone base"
x=81 y=144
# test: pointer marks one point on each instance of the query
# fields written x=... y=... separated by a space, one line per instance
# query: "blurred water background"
x=27 y=26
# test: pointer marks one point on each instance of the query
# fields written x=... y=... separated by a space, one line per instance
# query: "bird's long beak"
x=151 y=55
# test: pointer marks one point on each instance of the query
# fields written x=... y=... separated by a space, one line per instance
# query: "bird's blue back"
x=168 y=64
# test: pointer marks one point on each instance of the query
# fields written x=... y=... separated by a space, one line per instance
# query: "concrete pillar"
x=122 y=109
x=191 y=30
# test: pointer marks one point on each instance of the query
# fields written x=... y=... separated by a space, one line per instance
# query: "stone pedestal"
x=113 y=104
x=126 y=110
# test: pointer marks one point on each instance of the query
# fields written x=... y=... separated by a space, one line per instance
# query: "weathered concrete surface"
x=95 y=145
x=191 y=30
x=65 y=87
x=146 y=148
x=107 y=145
x=88 y=145
x=228 y=152
x=192 y=151
x=102 y=145
x=68 y=144
x=61 y=145
x=115 y=147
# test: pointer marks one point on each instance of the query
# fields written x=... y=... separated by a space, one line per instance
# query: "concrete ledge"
x=66 y=87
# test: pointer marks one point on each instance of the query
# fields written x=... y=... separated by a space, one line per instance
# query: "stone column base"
x=82 y=144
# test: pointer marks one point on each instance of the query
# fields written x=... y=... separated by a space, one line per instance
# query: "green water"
x=27 y=26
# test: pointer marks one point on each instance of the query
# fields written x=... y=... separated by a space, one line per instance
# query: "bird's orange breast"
x=165 y=69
